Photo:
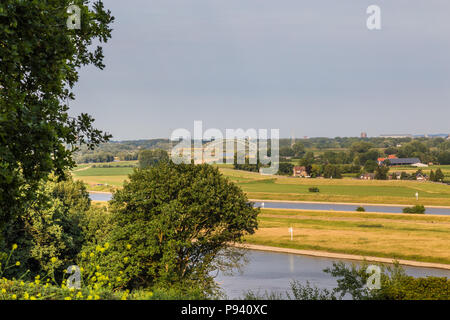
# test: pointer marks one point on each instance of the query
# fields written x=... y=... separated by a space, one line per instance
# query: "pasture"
x=262 y=187
x=339 y=190
x=410 y=237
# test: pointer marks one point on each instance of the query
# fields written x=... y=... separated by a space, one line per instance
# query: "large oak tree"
x=40 y=58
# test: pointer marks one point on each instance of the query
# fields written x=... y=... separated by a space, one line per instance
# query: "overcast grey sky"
x=311 y=68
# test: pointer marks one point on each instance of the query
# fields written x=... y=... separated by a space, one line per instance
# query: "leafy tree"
x=390 y=150
x=439 y=175
x=150 y=158
x=370 y=166
x=432 y=176
x=287 y=152
x=381 y=173
x=173 y=223
x=40 y=60
x=332 y=171
x=444 y=157
x=361 y=147
x=369 y=155
x=285 y=168
x=299 y=149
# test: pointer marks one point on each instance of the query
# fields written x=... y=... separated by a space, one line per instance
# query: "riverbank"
x=343 y=256
x=421 y=238
x=345 y=203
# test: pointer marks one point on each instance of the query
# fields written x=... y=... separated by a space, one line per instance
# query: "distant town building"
x=363 y=134
x=397 y=136
x=300 y=171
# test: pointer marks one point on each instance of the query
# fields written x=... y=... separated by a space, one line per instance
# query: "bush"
x=171 y=224
x=314 y=189
x=360 y=209
x=410 y=288
x=20 y=290
x=50 y=228
x=420 y=209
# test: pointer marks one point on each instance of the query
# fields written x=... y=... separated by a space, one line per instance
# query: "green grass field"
x=339 y=190
x=295 y=189
x=396 y=236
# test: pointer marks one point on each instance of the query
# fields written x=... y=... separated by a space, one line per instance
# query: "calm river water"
x=273 y=272
x=269 y=271
x=313 y=206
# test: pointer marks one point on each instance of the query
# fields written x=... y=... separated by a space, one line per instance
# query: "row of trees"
x=361 y=151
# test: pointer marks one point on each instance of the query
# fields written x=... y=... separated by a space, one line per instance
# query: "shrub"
x=420 y=209
x=360 y=209
x=20 y=290
x=410 y=288
x=50 y=228
x=314 y=189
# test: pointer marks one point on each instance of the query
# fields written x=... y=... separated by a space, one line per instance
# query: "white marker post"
x=417 y=196
x=291 y=231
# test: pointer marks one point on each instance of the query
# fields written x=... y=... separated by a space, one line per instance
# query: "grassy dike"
x=396 y=236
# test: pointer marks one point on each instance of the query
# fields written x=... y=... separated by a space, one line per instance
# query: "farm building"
x=300 y=171
x=404 y=161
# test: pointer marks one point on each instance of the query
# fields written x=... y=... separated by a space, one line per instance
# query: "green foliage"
x=150 y=158
x=360 y=209
x=285 y=168
x=439 y=175
x=40 y=60
x=21 y=290
x=444 y=157
x=299 y=149
x=415 y=209
x=286 y=152
x=381 y=172
x=410 y=288
x=370 y=166
x=332 y=171
x=50 y=228
x=173 y=224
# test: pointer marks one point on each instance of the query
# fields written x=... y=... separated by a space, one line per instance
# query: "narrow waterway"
x=273 y=272
x=313 y=206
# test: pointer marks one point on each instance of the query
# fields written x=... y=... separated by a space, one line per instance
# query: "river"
x=273 y=272
x=313 y=206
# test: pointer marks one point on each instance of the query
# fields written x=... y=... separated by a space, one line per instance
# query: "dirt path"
x=81 y=169
x=344 y=256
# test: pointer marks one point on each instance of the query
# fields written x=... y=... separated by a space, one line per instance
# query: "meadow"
x=339 y=190
x=262 y=187
x=410 y=237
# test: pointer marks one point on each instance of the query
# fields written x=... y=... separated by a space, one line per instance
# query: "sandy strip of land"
x=345 y=203
x=332 y=255
x=103 y=192
x=356 y=212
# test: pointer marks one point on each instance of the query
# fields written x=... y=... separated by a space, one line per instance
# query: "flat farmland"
x=339 y=190
x=396 y=236
x=262 y=187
